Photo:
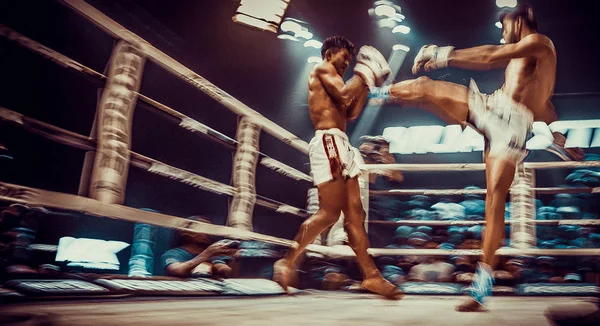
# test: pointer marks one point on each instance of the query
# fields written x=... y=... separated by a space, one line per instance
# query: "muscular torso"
x=530 y=80
x=324 y=112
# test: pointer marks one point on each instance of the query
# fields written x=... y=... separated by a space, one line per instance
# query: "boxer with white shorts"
x=504 y=118
x=331 y=103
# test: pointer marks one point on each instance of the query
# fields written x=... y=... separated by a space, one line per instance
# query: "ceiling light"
x=290 y=26
x=400 y=47
x=401 y=29
x=256 y=23
x=287 y=37
x=387 y=23
x=398 y=17
x=304 y=34
x=383 y=2
x=499 y=24
x=264 y=15
x=313 y=43
x=385 y=10
x=506 y=3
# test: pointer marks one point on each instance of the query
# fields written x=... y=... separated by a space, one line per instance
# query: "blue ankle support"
x=380 y=93
x=482 y=284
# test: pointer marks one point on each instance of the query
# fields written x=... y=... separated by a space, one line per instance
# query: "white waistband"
x=332 y=131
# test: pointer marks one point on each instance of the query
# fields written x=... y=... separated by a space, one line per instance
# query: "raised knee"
x=411 y=90
x=422 y=79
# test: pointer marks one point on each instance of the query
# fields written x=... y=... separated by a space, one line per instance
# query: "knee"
x=355 y=209
x=412 y=90
x=327 y=217
x=221 y=270
x=497 y=194
x=422 y=80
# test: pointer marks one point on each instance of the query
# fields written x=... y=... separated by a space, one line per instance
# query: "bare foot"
x=566 y=154
x=470 y=305
x=381 y=286
x=281 y=273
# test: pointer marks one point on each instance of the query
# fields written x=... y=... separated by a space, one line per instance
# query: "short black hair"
x=524 y=11
x=335 y=43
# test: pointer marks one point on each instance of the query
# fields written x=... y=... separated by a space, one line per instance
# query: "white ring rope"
x=474 y=166
x=460 y=192
x=183 y=121
x=471 y=223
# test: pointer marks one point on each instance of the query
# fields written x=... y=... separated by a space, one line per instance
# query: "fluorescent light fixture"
x=400 y=47
x=287 y=37
x=401 y=29
x=265 y=15
x=314 y=60
x=506 y=3
x=499 y=24
x=313 y=43
x=255 y=23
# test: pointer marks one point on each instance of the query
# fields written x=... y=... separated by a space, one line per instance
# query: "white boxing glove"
x=439 y=56
x=371 y=66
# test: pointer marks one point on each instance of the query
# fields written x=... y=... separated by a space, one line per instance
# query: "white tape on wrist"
x=441 y=56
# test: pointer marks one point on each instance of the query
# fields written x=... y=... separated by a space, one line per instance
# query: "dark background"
x=262 y=71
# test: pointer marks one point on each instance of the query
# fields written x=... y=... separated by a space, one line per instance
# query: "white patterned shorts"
x=330 y=153
x=505 y=123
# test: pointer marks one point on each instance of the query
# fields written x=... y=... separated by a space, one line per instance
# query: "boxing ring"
x=109 y=156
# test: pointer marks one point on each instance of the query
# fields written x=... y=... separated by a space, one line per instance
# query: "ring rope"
x=458 y=192
x=478 y=252
x=182 y=120
x=474 y=166
x=72 y=139
x=471 y=223
x=27 y=195
x=179 y=70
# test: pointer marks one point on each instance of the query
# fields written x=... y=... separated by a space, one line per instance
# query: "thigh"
x=448 y=100
x=500 y=173
x=332 y=195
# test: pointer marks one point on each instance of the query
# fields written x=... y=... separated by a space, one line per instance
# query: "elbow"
x=487 y=59
x=352 y=117
x=346 y=100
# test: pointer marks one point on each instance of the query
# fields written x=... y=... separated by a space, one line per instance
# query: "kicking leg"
x=448 y=100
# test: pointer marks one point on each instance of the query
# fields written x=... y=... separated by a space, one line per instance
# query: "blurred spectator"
x=198 y=255
x=376 y=150
x=432 y=269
